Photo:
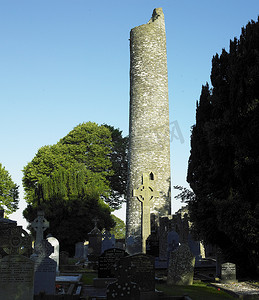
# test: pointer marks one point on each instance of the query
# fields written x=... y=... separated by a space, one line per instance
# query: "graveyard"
x=160 y=257
x=101 y=268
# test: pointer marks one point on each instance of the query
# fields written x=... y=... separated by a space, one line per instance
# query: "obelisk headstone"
x=149 y=145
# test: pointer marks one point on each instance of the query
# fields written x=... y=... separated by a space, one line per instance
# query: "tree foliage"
x=9 y=194
x=71 y=179
x=119 y=230
x=224 y=162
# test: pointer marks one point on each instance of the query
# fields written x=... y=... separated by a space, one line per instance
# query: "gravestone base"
x=103 y=282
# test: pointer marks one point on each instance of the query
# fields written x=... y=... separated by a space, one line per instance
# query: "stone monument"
x=16 y=270
x=149 y=144
x=40 y=224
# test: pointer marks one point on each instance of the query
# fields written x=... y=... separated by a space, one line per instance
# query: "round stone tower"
x=149 y=147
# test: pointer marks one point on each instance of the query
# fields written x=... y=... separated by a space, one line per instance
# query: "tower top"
x=157 y=13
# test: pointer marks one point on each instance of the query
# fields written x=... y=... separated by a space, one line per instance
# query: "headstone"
x=95 y=242
x=123 y=291
x=152 y=245
x=196 y=248
x=94 y=246
x=130 y=244
x=164 y=229
x=16 y=278
x=120 y=243
x=181 y=266
x=15 y=240
x=45 y=269
x=108 y=241
x=145 y=193
x=107 y=260
x=172 y=240
x=79 y=250
x=228 y=273
x=149 y=132
x=63 y=257
x=40 y=224
x=16 y=271
x=55 y=255
x=86 y=250
x=138 y=268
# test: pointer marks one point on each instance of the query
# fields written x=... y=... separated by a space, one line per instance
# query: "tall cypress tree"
x=224 y=162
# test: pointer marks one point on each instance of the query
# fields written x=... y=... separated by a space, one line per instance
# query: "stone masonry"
x=149 y=147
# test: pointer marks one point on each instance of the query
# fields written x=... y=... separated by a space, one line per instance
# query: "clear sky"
x=65 y=62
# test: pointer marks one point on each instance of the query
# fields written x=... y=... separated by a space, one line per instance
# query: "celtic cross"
x=145 y=193
x=40 y=224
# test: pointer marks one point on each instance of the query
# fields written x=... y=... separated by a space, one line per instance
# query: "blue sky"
x=65 y=62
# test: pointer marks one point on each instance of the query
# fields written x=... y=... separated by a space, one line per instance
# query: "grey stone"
x=55 y=255
x=63 y=257
x=181 y=266
x=165 y=224
x=95 y=242
x=79 y=250
x=16 y=278
x=40 y=224
x=149 y=137
x=173 y=241
x=123 y=291
x=44 y=269
x=107 y=260
x=108 y=241
x=44 y=276
x=228 y=272
x=138 y=268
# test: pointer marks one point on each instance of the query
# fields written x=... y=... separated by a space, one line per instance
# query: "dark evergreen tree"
x=224 y=162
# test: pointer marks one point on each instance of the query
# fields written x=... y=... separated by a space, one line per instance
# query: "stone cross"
x=40 y=224
x=145 y=193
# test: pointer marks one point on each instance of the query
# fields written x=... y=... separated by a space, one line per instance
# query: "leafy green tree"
x=224 y=162
x=9 y=194
x=118 y=179
x=119 y=230
x=70 y=181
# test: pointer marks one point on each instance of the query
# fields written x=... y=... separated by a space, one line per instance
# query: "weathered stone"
x=79 y=250
x=145 y=193
x=138 y=268
x=108 y=241
x=16 y=278
x=40 y=224
x=55 y=255
x=149 y=145
x=107 y=260
x=181 y=266
x=123 y=291
x=228 y=272
x=45 y=269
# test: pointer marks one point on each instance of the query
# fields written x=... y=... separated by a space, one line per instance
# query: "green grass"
x=197 y=291
x=87 y=277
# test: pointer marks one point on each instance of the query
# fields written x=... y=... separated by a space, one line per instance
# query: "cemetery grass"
x=87 y=277
x=197 y=291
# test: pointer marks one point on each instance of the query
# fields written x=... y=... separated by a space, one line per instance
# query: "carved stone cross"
x=145 y=193
x=40 y=224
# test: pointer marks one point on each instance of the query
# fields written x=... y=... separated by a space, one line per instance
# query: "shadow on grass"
x=197 y=291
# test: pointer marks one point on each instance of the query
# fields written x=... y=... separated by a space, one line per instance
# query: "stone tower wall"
x=149 y=149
